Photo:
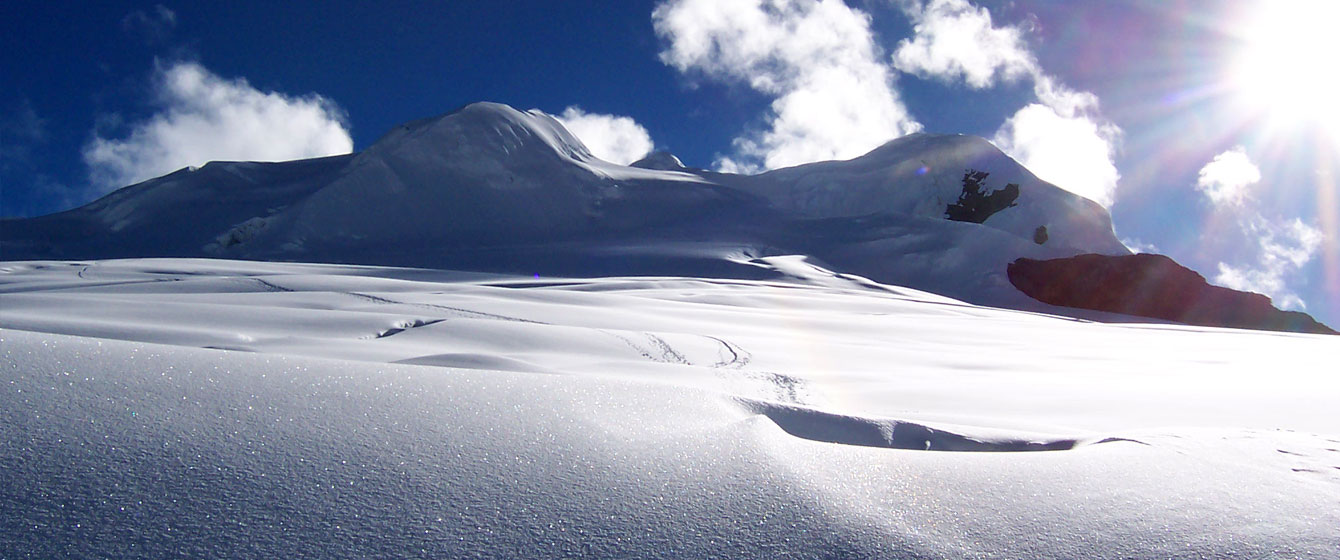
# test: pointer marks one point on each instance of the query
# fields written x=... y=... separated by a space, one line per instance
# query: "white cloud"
x=1062 y=138
x=1071 y=151
x=1226 y=178
x=1276 y=250
x=203 y=118
x=609 y=137
x=832 y=95
x=1284 y=249
x=1065 y=140
x=954 y=40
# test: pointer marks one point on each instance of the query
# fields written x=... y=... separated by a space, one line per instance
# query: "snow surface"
x=648 y=361
x=212 y=408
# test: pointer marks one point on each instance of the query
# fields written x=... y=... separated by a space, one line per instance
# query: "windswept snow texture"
x=165 y=408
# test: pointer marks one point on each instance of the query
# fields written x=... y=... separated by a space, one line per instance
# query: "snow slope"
x=919 y=174
x=361 y=411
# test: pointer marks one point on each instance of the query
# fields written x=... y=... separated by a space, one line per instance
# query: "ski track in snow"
x=269 y=286
x=406 y=325
x=457 y=310
x=727 y=355
x=878 y=423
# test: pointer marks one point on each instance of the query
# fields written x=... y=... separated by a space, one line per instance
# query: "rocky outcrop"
x=1153 y=286
x=975 y=204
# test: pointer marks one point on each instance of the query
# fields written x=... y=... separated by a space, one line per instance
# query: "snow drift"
x=163 y=408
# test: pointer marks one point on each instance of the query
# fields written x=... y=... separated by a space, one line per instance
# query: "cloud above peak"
x=202 y=117
x=833 y=90
x=1062 y=137
x=612 y=138
x=1064 y=140
x=832 y=94
x=954 y=40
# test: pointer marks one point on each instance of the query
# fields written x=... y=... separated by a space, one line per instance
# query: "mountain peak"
x=488 y=183
x=661 y=160
x=484 y=129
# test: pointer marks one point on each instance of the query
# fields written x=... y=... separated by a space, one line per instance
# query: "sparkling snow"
x=203 y=408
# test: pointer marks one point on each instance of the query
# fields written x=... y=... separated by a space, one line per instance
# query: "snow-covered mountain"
x=490 y=179
x=492 y=188
x=525 y=351
x=486 y=175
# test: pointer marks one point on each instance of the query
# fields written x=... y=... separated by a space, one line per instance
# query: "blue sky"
x=1203 y=125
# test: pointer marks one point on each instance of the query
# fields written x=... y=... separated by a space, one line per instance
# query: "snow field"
x=636 y=417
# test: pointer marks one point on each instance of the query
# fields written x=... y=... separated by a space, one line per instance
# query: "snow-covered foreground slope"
x=202 y=408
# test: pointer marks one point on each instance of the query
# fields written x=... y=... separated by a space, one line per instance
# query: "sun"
x=1285 y=69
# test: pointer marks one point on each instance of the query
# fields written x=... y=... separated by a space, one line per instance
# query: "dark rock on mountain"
x=974 y=204
x=1154 y=286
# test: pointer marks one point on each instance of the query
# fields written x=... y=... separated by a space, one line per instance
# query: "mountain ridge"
x=495 y=188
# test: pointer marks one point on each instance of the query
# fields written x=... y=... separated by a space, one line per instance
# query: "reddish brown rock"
x=1148 y=285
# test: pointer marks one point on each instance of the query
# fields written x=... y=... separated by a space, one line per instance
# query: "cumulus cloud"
x=953 y=40
x=1284 y=249
x=1063 y=141
x=1226 y=178
x=832 y=94
x=1062 y=137
x=202 y=117
x=609 y=137
x=1274 y=249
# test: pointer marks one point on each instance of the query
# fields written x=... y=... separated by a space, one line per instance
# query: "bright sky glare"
x=1285 y=67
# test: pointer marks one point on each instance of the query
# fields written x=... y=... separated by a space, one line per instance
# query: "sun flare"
x=1285 y=69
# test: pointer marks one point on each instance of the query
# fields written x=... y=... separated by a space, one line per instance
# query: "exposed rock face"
x=974 y=204
x=1154 y=286
x=1040 y=235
